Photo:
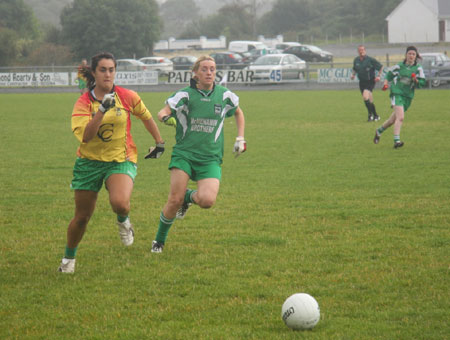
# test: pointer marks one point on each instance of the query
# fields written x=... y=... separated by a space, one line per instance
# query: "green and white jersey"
x=400 y=78
x=200 y=120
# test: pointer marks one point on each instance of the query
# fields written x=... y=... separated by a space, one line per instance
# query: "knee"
x=175 y=201
x=81 y=221
x=399 y=119
x=120 y=206
x=206 y=202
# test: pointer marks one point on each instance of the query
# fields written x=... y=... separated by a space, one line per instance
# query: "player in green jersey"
x=82 y=81
x=365 y=67
x=404 y=78
x=198 y=112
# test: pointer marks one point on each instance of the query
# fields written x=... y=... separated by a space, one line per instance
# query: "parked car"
x=161 y=64
x=287 y=44
x=228 y=60
x=183 y=62
x=130 y=65
x=310 y=53
x=277 y=67
x=435 y=65
x=255 y=54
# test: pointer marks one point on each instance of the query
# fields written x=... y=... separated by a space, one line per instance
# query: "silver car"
x=130 y=65
x=278 y=67
x=161 y=64
x=436 y=66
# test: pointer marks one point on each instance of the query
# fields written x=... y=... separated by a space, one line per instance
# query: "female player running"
x=101 y=121
x=198 y=112
x=403 y=79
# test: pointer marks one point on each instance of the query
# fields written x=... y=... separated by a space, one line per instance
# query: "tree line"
x=131 y=28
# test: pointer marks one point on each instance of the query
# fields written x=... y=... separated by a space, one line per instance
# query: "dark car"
x=310 y=53
x=284 y=45
x=228 y=60
x=435 y=65
x=183 y=62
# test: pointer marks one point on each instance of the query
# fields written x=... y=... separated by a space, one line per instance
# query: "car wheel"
x=436 y=82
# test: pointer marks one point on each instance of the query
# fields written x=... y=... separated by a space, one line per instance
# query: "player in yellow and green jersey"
x=198 y=112
x=404 y=78
x=101 y=121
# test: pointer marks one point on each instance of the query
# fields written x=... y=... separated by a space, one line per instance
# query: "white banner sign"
x=335 y=75
x=339 y=75
x=222 y=76
x=34 y=79
x=137 y=78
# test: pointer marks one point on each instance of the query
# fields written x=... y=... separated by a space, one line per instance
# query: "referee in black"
x=365 y=67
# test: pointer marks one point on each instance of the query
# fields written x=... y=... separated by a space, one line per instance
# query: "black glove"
x=155 y=151
x=108 y=102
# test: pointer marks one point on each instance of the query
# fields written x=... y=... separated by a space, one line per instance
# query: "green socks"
x=188 y=196
x=396 y=138
x=121 y=219
x=163 y=228
x=380 y=130
x=165 y=223
x=70 y=252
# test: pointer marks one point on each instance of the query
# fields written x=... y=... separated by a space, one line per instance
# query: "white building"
x=419 y=21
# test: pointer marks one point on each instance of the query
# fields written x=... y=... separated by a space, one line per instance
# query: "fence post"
x=307 y=73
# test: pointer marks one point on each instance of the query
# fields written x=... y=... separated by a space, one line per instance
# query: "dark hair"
x=413 y=48
x=87 y=70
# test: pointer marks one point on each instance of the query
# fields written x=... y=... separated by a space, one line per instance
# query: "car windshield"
x=314 y=49
x=268 y=60
x=427 y=60
x=436 y=59
x=235 y=56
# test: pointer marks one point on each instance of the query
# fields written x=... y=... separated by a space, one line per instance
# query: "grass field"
x=313 y=206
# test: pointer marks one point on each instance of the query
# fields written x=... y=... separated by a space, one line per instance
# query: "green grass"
x=313 y=206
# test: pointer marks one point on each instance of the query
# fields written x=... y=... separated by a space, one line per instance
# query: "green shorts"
x=90 y=175
x=398 y=100
x=197 y=170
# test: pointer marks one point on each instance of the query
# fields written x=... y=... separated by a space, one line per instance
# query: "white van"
x=245 y=46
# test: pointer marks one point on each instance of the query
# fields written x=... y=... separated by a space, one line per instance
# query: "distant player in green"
x=365 y=67
x=198 y=112
x=82 y=81
x=404 y=78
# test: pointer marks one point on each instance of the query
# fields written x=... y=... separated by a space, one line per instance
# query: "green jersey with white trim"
x=200 y=117
x=401 y=81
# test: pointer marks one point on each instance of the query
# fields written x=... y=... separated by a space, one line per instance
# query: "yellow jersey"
x=113 y=141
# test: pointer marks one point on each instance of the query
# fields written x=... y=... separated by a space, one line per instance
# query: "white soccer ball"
x=300 y=311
